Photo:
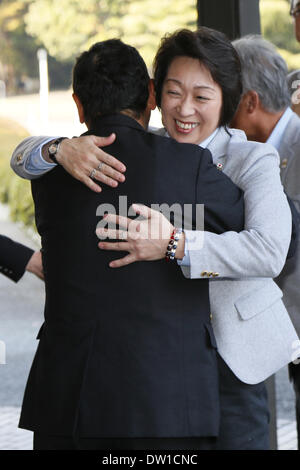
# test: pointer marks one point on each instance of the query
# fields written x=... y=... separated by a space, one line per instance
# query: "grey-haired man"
x=265 y=115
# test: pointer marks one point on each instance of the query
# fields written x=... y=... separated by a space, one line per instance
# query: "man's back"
x=123 y=349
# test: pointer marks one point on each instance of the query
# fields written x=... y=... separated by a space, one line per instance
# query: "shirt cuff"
x=185 y=261
x=36 y=164
x=193 y=242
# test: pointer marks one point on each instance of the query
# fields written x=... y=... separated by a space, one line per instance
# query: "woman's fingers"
x=112 y=234
x=124 y=222
x=106 y=157
x=142 y=210
x=118 y=263
x=104 y=141
x=102 y=178
x=117 y=246
x=81 y=156
x=109 y=171
x=107 y=175
x=90 y=183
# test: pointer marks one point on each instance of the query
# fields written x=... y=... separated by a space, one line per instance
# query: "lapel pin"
x=220 y=166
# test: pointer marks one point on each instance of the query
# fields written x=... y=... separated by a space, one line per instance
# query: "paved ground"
x=21 y=313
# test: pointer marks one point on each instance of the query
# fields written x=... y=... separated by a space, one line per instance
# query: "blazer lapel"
x=219 y=145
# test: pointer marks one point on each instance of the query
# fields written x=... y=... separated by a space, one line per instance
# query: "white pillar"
x=2 y=353
x=44 y=87
x=2 y=89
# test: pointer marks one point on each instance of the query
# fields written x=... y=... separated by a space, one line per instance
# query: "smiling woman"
x=191 y=101
x=197 y=83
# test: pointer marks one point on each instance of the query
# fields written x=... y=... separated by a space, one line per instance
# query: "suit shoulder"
x=251 y=151
x=291 y=138
x=169 y=144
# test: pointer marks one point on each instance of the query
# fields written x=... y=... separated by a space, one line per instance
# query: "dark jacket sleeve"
x=295 y=228
x=13 y=258
x=223 y=200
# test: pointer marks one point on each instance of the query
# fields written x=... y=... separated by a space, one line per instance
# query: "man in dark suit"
x=16 y=258
x=127 y=357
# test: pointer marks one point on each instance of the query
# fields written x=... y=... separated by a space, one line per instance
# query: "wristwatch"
x=53 y=149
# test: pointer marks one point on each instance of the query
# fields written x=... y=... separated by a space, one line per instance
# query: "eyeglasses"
x=295 y=10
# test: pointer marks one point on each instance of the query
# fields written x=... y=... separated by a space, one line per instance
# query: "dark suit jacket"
x=126 y=352
x=13 y=258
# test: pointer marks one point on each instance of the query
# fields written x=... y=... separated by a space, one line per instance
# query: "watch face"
x=52 y=149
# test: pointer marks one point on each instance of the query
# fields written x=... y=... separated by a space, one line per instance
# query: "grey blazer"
x=289 y=152
x=253 y=331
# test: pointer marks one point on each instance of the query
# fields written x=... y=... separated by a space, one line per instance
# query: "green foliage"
x=67 y=27
x=18 y=52
x=20 y=201
x=277 y=26
x=14 y=190
x=17 y=48
x=293 y=60
x=146 y=21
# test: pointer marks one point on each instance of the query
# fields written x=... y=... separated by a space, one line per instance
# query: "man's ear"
x=251 y=101
x=151 y=100
x=79 y=108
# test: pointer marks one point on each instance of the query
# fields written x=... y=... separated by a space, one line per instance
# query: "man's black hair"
x=111 y=77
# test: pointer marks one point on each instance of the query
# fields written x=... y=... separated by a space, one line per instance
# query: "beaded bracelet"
x=173 y=243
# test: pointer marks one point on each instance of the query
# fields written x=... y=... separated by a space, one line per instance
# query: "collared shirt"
x=35 y=164
x=205 y=142
x=278 y=131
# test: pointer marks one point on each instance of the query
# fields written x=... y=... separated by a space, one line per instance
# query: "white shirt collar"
x=205 y=142
x=278 y=131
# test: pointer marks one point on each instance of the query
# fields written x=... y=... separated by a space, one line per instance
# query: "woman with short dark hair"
x=213 y=50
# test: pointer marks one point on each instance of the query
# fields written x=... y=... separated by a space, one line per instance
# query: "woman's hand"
x=85 y=161
x=146 y=240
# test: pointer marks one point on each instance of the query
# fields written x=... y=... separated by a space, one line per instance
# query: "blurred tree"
x=66 y=27
x=17 y=48
x=18 y=59
x=277 y=27
x=146 y=21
